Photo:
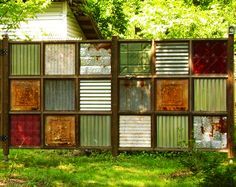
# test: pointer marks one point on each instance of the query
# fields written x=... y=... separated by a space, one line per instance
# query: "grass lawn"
x=70 y=168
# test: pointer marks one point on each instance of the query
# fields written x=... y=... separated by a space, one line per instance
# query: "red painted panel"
x=25 y=130
x=209 y=57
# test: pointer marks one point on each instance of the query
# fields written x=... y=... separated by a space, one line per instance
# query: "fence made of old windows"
x=119 y=94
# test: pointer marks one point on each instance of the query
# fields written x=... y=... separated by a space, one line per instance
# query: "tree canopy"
x=163 y=18
x=12 y=12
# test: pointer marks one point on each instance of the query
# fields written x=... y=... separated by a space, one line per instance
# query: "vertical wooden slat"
x=230 y=92
x=115 y=101
x=5 y=97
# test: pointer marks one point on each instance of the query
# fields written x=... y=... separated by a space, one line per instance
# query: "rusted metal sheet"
x=95 y=95
x=135 y=131
x=135 y=95
x=59 y=95
x=172 y=94
x=172 y=131
x=59 y=59
x=60 y=131
x=135 y=58
x=172 y=58
x=95 y=58
x=210 y=131
x=25 y=95
x=210 y=95
x=25 y=59
x=209 y=57
x=95 y=130
x=25 y=130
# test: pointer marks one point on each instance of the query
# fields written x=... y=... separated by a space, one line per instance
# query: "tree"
x=12 y=12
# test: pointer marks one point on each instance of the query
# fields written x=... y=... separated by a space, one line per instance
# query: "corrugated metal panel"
x=25 y=130
x=135 y=58
x=172 y=94
x=135 y=131
x=95 y=95
x=210 y=131
x=210 y=95
x=95 y=58
x=59 y=95
x=25 y=95
x=172 y=131
x=60 y=59
x=60 y=130
x=172 y=58
x=25 y=59
x=135 y=95
x=95 y=130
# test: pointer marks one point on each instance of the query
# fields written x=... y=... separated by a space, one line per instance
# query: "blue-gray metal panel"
x=59 y=95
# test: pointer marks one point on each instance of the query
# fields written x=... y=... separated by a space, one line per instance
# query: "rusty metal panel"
x=172 y=58
x=210 y=95
x=59 y=59
x=135 y=131
x=209 y=57
x=172 y=94
x=25 y=59
x=135 y=58
x=95 y=130
x=172 y=131
x=95 y=58
x=210 y=131
x=59 y=95
x=135 y=95
x=95 y=95
x=60 y=130
x=25 y=95
x=25 y=130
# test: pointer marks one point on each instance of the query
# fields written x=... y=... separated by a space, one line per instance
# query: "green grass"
x=68 y=168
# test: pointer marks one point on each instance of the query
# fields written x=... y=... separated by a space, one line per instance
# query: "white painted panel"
x=135 y=131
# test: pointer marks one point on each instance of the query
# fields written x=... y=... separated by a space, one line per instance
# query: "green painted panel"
x=25 y=59
x=210 y=95
x=135 y=58
x=172 y=131
x=95 y=130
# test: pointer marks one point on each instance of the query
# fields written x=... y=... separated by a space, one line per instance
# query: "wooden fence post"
x=114 y=84
x=5 y=97
x=230 y=91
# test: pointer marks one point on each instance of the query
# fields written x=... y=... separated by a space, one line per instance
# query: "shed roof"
x=86 y=22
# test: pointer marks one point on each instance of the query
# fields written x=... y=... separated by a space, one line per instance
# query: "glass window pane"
x=59 y=95
x=25 y=130
x=172 y=131
x=95 y=130
x=60 y=59
x=135 y=131
x=135 y=95
x=209 y=57
x=60 y=130
x=95 y=58
x=25 y=59
x=25 y=95
x=210 y=95
x=210 y=131
x=172 y=58
x=135 y=58
x=172 y=95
